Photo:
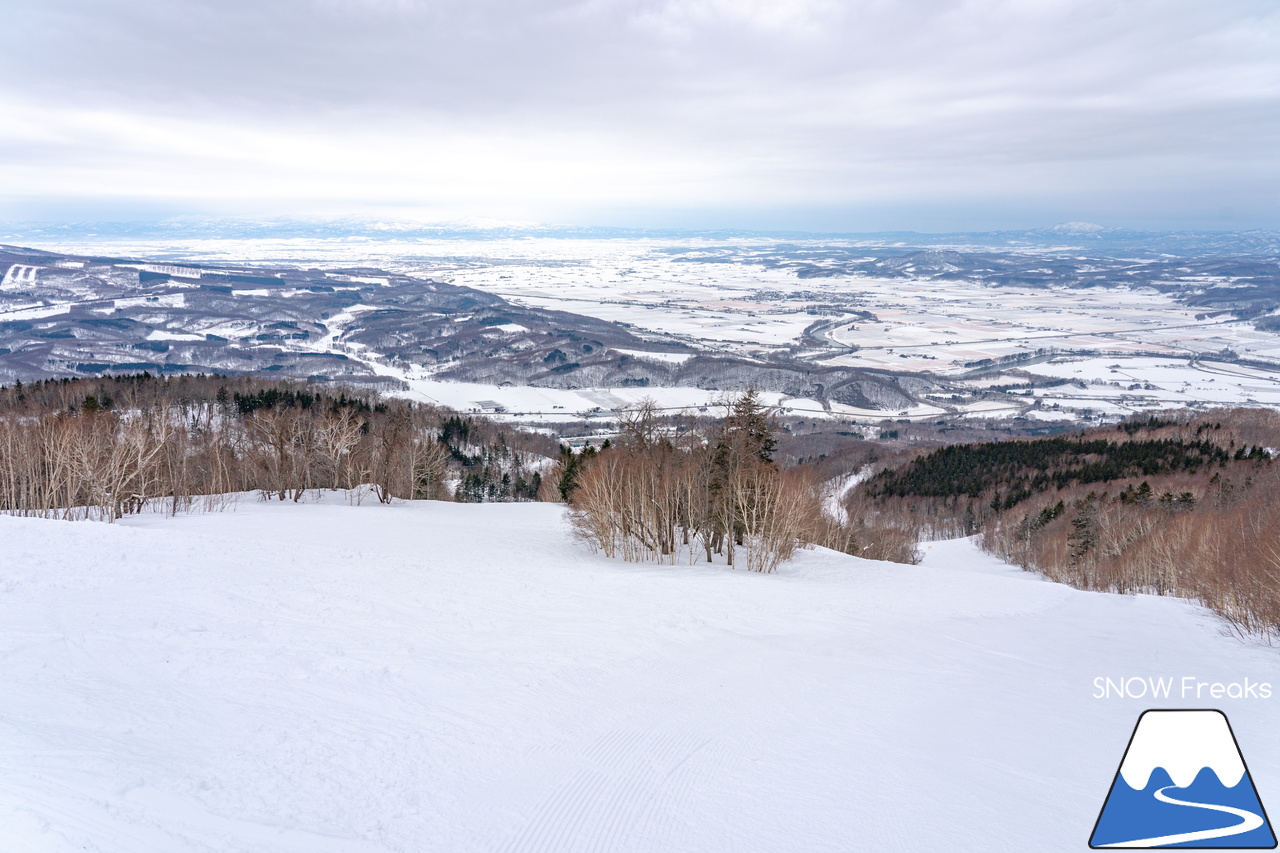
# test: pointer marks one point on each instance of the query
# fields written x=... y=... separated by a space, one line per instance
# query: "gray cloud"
x=1166 y=110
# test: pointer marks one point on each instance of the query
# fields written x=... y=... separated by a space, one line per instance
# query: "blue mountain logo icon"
x=1183 y=783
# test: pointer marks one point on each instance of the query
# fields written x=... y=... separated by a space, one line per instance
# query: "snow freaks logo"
x=1183 y=783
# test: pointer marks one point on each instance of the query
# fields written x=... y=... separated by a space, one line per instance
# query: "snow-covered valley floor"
x=430 y=676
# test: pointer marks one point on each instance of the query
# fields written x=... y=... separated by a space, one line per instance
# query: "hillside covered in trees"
x=1180 y=504
x=113 y=446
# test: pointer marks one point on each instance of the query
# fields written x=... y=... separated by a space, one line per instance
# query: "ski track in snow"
x=334 y=678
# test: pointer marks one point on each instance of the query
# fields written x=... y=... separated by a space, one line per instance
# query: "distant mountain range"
x=1246 y=286
x=1085 y=236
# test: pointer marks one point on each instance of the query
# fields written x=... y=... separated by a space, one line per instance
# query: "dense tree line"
x=1015 y=470
x=109 y=447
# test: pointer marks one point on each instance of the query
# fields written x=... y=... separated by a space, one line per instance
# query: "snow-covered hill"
x=446 y=677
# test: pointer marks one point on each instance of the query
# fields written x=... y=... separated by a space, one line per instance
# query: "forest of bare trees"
x=1213 y=540
x=1176 y=504
x=107 y=448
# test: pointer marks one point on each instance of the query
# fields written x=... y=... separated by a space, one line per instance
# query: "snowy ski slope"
x=330 y=678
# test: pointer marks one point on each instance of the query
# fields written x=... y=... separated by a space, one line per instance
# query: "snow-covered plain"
x=448 y=677
x=549 y=405
x=941 y=327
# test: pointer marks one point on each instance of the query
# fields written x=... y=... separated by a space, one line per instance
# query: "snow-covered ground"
x=447 y=677
x=549 y=405
x=1164 y=352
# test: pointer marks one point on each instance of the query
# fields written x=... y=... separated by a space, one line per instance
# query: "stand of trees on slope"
x=1174 y=505
x=105 y=448
x=691 y=493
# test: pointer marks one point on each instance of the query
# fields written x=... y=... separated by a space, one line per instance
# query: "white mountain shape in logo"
x=1183 y=743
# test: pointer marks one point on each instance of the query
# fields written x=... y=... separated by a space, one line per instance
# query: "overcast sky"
x=818 y=114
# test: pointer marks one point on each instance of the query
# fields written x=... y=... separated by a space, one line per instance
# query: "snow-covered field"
x=942 y=327
x=449 y=677
x=549 y=405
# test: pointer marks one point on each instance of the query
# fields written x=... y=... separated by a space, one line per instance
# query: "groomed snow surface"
x=324 y=678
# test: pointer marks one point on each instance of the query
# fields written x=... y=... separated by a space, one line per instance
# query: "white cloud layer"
x=933 y=113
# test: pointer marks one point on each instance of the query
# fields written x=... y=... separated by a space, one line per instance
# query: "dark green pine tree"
x=571 y=465
x=749 y=428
